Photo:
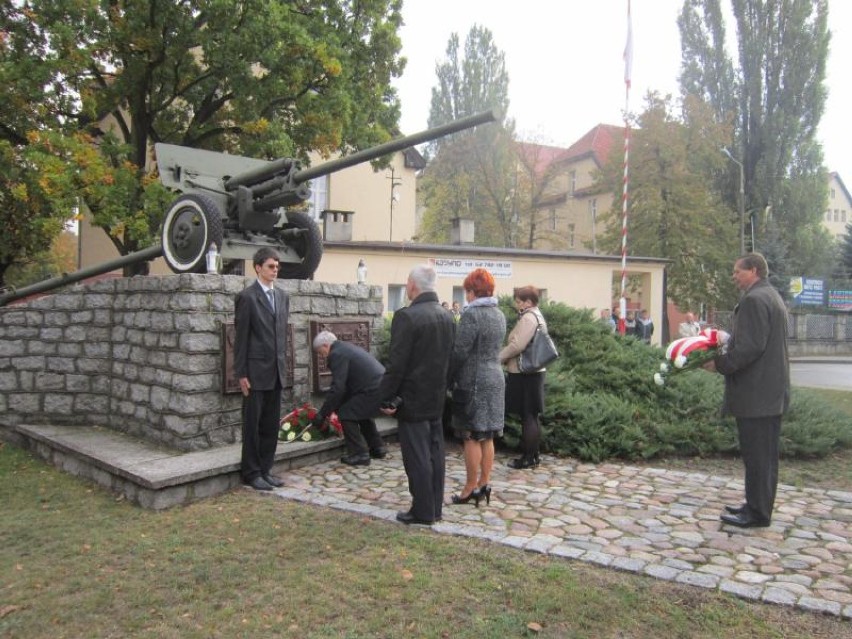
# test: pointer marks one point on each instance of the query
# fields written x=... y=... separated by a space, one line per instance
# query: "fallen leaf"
x=535 y=627
x=407 y=575
x=7 y=610
x=18 y=567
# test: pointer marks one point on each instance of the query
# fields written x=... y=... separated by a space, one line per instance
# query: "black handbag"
x=539 y=352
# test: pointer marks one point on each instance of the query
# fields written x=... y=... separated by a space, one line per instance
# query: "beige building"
x=839 y=211
x=569 y=206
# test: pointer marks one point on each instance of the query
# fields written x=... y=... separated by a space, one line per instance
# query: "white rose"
x=658 y=380
x=680 y=361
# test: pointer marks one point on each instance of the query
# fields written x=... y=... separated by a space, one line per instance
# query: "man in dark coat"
x=260 y=343
x=416 y=381
x=757 y=387
x=354 y=395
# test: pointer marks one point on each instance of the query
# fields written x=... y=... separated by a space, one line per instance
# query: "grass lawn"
x=77 y=562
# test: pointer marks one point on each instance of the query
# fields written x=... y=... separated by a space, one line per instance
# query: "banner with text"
x=807 y=291
x=451 y=267
x=841 y=300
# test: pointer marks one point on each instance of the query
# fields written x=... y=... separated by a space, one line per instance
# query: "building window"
x=570 y=236
x=396 y=297
x=573 y=185
x=552 y=219
x=319 y=197
x=836 y=215
x=593 y=208
x=832 y=194
x=828 y=215
x=458 y=296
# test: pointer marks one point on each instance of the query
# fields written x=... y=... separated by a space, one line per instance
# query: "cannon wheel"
x=308 y=247
x=192 y=222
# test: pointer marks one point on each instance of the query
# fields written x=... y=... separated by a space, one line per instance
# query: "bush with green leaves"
x=601 y=401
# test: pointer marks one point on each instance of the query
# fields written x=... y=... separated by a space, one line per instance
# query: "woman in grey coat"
x=477 y=384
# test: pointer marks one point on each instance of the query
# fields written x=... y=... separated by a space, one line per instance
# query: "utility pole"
x=394 y=197
x=742 y=198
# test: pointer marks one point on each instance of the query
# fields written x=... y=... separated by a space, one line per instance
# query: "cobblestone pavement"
x=651 y=521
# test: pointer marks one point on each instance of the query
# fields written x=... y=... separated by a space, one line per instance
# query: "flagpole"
x=628 y=70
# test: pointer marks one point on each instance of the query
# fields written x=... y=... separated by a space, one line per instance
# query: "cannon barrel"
x=283 y=165
x=145 y=255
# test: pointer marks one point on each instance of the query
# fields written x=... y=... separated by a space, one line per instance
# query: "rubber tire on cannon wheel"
x=192 y=223
x=308 y=247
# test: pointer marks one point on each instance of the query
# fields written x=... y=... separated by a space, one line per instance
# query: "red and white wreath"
x=687 y=353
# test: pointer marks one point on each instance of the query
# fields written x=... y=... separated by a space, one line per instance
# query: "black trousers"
x=422 y=446
x=759 y=443
x=361 y=437
x=261 y=422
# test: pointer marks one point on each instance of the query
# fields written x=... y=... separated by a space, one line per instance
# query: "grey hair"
x=423 y=276
x=324 y=338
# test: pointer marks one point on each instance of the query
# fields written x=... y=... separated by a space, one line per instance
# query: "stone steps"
x=155 y=477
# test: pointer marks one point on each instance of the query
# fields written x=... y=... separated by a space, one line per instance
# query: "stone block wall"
x=143 y=355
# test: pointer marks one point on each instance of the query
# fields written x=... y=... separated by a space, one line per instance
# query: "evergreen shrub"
x=601 y=401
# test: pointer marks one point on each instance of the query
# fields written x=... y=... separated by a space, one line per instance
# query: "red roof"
x=596 y=143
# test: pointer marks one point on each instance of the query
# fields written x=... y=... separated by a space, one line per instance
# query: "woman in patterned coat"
x=478 y=385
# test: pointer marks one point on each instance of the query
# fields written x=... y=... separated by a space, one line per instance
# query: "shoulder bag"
x=539 y=352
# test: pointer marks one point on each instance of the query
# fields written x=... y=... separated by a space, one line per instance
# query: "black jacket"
x=420 y=348
x=355 y=379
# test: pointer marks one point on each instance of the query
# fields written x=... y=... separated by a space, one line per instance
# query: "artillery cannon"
x=240 y=204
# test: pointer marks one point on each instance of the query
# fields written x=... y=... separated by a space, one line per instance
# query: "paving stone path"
x=651 y=521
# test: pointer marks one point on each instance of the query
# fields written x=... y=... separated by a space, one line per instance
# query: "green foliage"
x=674 y=210
x=601 y=401
x=472 y=174
x=263 y=79
x=775 y=99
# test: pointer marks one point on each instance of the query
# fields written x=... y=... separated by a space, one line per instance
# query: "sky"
x=565 y=64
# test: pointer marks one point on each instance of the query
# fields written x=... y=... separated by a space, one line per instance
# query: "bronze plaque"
x=353 y=331
x=230 y=384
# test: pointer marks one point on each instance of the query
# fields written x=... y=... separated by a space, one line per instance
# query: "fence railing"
x=809 y=333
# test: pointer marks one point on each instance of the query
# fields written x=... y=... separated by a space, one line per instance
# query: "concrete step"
x=156 y=477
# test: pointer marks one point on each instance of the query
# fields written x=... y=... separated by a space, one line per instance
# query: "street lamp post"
x=394 y=197
x=742 y=198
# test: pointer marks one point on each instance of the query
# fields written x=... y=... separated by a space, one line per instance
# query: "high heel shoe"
x=472 y=495
x=485 y=493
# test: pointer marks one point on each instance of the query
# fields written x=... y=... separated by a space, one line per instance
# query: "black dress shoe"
x=522 y=463
x=407 y=518
x=356 y=460
x=272 y=480
x=259 y=483
x=735 y=510
x=743 y=521
x=379 y=453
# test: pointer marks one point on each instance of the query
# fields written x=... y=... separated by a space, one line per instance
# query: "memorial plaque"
x=230 y=384
x=354 y=331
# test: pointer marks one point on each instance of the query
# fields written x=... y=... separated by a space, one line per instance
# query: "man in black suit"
x=260 y=341
x=414 y=388
x=354 y=395
x=757 y=387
